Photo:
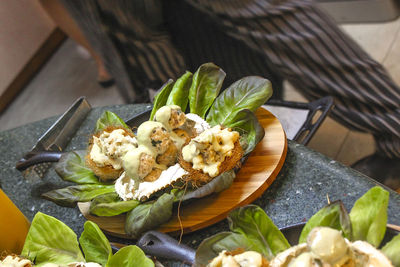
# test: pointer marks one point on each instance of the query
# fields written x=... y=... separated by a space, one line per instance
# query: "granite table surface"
x=300 y=189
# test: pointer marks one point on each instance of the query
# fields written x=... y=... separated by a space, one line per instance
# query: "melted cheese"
x=131 y=161
x=163 y=115
x=110 y=147
x=221 y=141
x=143 y=135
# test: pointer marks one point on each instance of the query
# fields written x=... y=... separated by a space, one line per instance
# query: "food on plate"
x=331 y=237
x=186 y=143
x=246 y=258
x=327 y=247
x=211 y=153
x=154 y=165
x=51 y=243
x=106 y=150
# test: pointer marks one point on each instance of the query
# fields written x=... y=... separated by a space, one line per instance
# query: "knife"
x=54 y=140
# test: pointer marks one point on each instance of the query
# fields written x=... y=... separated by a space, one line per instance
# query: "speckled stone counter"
x=300 y=189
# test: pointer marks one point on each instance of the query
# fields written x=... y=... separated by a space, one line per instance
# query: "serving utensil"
x=50 y=145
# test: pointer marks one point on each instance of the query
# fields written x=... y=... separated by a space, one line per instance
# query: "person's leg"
x=308 y=49
x=62 y=19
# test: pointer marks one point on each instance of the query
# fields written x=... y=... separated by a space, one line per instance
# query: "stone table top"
x=300 y=189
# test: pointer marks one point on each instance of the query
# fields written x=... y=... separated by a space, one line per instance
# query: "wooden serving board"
x=255 y=176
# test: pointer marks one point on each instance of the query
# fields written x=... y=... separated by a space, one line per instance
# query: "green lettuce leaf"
x=251 y=132
x=161 y=98
x=71 y=167
x=247 y=93
x=218 y=184
x=50 y=240
x=110 y=204
x=148 y=215
x=69 y=196
x=130 y=256
x=252 y=222
x=109 y=118
x=210 y=247
x=180 y=91
x=392 y=250
x=334 y=216
x=94 y=244
x=206 y=84
x=369 y=216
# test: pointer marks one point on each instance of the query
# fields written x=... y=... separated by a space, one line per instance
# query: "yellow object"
x=13 y=226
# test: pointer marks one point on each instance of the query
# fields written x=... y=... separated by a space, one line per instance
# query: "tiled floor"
x=69 y=75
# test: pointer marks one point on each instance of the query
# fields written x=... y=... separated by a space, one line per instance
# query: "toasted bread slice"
x=198 y=177
x=105 y=173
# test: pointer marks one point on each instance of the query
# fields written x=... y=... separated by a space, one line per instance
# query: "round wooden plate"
x=255 y=176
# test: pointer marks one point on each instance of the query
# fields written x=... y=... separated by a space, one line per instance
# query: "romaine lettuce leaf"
x=161 y=98
x=109 y=118
x=206 y=84
x=180 y=91
x=71 y=167
x=94 y=244
x=392 y=250
x=130 y=256
x=252 y=222
x=251 y=132
x=334 y=216
x=69 y=196
x=50 y=240
x=110 y=204
x=148 y=215
x=369 y=216
x=247 y=93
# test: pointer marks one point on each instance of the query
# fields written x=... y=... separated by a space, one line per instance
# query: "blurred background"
x=42 y=71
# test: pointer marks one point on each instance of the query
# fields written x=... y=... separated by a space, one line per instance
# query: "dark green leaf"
x=210 y=247
x=130 y=256
x=369 y=216
x=149 y=215
x=94 y=244
x=161 y=98
x=251 y=132
x=71 y=167
x=218 y=184
x=180 y=92
x=69 y=196
x=50 y=240
x=109 y=118
x=333 y=215
x=110 y=204
x=392 y=250
x=206 y=84
x=252 y=222
x=247 y=93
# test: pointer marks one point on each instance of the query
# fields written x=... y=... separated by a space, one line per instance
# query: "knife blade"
x=55 y=139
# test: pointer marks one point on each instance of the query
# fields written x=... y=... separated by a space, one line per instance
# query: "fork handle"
x=40 y=157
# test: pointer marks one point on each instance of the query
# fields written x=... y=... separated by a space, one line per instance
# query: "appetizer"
x=169 y=158
x=331 y=237
x=106 y=149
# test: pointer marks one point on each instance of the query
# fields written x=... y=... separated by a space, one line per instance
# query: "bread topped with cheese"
x=106 y=150
x=211 y=153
